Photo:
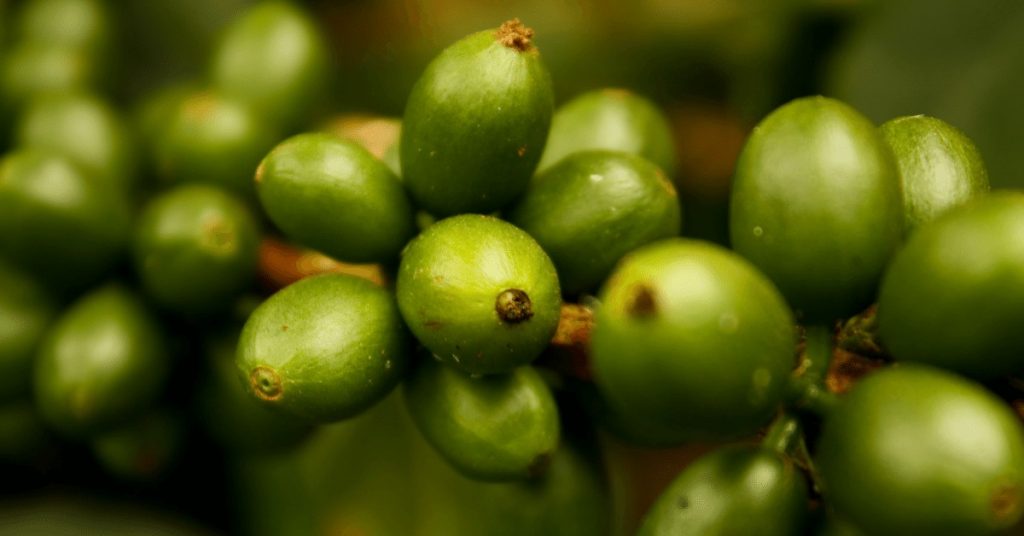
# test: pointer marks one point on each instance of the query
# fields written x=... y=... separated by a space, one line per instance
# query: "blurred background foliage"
x=715 y=66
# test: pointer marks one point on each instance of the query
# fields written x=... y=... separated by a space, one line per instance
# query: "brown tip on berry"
x=513 y=306
x=514 y=34
x=1006 y=502
x=642 y=303
x=266 y=383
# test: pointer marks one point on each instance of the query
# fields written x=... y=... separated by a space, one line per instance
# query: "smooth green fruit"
x=479 y=293
x=693 y=337
x=212 y=140
x=102 y=363
x=56 y=222
x=325 y=348
x=939 y=167
x=143 y=449
x=334 y=196
x=952 y=296
x=916 y=450
x=476 y=122
x=25 y=313
x=498 y=427
x=274 y=59
x=733 y=491
x=613 y=119
x=231 y=415
x=85 y=129
x=816 y=205
x=196 y=248
x=75 y=24
x=593 y=208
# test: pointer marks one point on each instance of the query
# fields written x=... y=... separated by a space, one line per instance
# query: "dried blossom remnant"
x=847 y=368
x=266 y=383
x=513 y=306
x=575 y=322
x=642 y=303
x=514 y=34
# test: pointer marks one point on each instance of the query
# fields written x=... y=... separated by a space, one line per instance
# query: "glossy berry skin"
x=479 y=293
x=693 y=337
x=102 y=363
x=917 y=450
x=951 y=297
x=592 y=208
x=611 y=119
x=476 y=122
x=334 y=196
x=196 y=248
x=324 y=348
x=496 y=427
x=733 y=491
x=939 y=166
x=816 y=205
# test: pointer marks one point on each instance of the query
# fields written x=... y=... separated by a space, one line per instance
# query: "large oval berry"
x=103 y=362
x=952 y=297
x=275 y=60
x=733 y=490
x=476 y=123
x=479 y=293
x=692 y=336
x=915 y=450
x=196 y=248
x=939 y=166
x=592 y=208
x=59 y=223
x=324 y=348
x=497 y=427
x=332 y=195
x=816 y=205
x=612 y=119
